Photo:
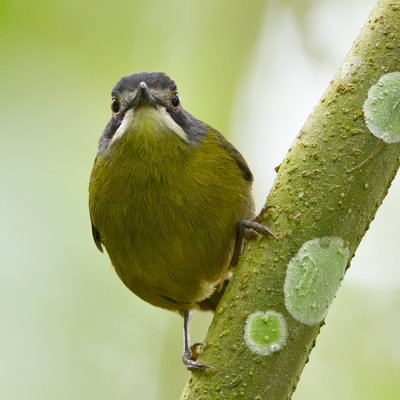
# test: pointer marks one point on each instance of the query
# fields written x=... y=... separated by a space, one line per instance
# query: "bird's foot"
x=189 y=358
x=248 y=228
x=254 y=227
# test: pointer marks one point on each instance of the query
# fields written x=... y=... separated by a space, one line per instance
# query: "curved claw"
x=196 y=349
x=262 y=212
x=251 y=227
x=189 y=359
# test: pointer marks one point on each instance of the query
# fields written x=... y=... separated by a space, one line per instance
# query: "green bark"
x=329 y=186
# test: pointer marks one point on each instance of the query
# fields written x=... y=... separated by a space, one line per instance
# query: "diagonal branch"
x=326 y=194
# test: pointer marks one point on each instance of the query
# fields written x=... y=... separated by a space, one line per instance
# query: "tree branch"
x=326 y=194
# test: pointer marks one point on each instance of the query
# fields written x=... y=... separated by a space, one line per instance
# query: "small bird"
x=170 y=200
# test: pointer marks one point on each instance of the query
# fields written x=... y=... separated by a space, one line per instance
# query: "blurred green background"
x=254 y=70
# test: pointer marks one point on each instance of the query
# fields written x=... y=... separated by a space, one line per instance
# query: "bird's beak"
x=143 y=97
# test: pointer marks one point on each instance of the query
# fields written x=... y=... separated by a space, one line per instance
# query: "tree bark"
x=326 y=194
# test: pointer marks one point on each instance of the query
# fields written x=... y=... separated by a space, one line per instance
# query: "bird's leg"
x=246 y=228
x=190 y=353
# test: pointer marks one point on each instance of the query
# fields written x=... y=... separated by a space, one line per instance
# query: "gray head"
x=158 y=93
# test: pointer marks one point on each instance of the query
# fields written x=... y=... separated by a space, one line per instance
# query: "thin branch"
x=326 y=194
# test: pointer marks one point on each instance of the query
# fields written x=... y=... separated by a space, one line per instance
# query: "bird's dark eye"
x=115 y=106
x=175 y=100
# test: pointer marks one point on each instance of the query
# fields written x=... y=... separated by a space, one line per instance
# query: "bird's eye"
x=175 y=100
x=115 y=106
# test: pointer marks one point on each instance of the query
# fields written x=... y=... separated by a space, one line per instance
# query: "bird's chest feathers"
x=149 y=159
x=144 y=173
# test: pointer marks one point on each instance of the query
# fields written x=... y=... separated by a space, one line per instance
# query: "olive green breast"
x=167 y=213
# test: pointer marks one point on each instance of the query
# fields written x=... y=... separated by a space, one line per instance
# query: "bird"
x=170 y=199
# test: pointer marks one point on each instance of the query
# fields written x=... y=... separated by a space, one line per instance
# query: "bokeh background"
x=254 y=70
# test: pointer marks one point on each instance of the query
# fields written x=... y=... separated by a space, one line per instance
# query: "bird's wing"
x=240 y=161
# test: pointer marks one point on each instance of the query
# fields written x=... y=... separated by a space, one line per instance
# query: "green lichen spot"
x=382 y=108
x=265 y=332
x=313 y=277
